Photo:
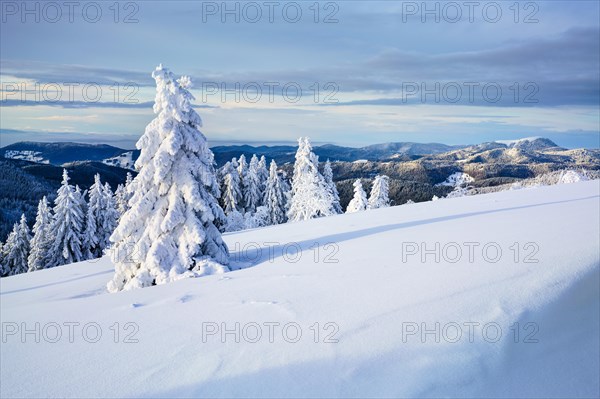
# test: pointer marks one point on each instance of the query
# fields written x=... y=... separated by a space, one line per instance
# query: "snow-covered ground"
x=32 y=156
x=125 y=161
x=518 y=315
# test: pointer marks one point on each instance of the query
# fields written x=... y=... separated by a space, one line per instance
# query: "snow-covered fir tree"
x=93 y=220
x=263 y=173
x=287 y=191
x=17 y=249
x=235 y=221
x=260 y=218
x=359 y=201
x=274 y=200
x=67 y=226
x=379 y=197
x=328 y=176
x=101 y=220
x=121 y=199
x=310 y=196
x=111 y=216
x=40 y=243
x=128 y=181
x=231 y=190
x=1 y=259
x=172 y=223
x=6 y=248
x=251 y=183
x=242 y=168
x=123 y=195
x=80 y=196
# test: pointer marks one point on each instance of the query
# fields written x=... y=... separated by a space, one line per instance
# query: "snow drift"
x=494 y=295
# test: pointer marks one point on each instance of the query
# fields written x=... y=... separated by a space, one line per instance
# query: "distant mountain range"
x=61 y=153
x=31 y=170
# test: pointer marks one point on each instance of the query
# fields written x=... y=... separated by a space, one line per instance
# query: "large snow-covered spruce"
x=310 y=196
x=172 y=224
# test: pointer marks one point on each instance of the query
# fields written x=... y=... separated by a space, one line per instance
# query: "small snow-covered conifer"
x=242 y=168
x=275 y=199
x=1 y=259
x=235 y=221
x=328 y=176
x=251 y=183
x=123 y=195
x=18 y=243
x=379 y=197
x=310 y=196
x=111 y=216
x=359 y=202
x=40 y=243
x=231 y=194
x=263 y=173
x=260 y=218
x=93 y=220
x=67 y=226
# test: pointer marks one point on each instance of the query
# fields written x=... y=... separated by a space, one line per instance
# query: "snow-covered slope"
x=125 y=160
x=356 y=273
x=32 y=156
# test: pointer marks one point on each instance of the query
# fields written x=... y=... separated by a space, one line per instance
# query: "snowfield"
x=510 y=309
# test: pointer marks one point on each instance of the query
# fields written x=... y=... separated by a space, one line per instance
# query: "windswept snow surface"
x=362 y=281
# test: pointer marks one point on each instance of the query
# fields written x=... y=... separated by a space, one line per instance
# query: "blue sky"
x=385 y=71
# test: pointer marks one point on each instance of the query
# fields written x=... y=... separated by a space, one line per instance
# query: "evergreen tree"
x=174 y=210
x=242 y=169
x=6 y=248
x=18 y=243
x=379 y=197
x=123 y=195
x=252 y=193
x=310 y=196
x=128 y=181
x=1 y=259
x=263 y=173
x=110 y=218
x=235 y=222
x=67 y=226
x=121 y=199
x=287 y=191
x=274 y=197
x=328 y=176
x=40 y=243
x=359 y=202
x=231 y=188
x=260 y=218
x=95 y=213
